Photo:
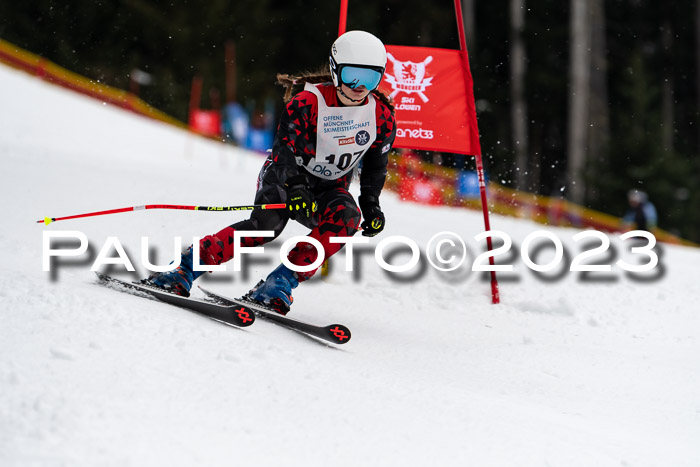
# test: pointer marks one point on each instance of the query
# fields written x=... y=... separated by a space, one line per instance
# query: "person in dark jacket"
x=641 y=213
x=339 y=120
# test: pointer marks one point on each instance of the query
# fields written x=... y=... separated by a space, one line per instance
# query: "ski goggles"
x=354 y=76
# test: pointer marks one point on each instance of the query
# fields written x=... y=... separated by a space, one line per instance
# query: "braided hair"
x=322 y=75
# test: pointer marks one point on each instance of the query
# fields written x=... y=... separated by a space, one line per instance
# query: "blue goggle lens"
x=353 y=76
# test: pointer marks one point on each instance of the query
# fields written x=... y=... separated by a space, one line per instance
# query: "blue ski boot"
x=275 y=292
x=179 y=280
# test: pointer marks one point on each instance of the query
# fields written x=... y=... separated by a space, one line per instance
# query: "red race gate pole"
x=342 y=23
x=495 y=294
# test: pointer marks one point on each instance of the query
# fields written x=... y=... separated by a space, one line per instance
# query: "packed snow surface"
x=571 y=369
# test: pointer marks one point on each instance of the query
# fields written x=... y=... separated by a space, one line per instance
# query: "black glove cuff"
x=296 y=180
x=368 y=201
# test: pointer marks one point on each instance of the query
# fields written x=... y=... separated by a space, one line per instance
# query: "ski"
x=335 y=333
x=238 y=315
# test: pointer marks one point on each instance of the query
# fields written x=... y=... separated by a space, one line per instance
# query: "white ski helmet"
x=357 y=58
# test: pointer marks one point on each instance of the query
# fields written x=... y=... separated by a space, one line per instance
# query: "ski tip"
x=245 y=316
x=102 y=277
x=338 y=333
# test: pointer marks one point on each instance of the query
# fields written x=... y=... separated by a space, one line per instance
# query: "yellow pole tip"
x=47 y=220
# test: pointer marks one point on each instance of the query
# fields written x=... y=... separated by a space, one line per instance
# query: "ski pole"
x=48 y=220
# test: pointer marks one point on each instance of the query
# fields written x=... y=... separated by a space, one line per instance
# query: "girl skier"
x=339 y=120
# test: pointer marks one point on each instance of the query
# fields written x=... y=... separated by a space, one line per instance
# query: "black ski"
x=238 y=315
x=335 y=333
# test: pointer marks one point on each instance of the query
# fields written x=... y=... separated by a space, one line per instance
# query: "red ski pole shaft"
x=48 y=220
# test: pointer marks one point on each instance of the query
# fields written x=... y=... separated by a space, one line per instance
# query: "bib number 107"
x=344 y=160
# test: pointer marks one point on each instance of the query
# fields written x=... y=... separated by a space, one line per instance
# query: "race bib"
x=343 y=136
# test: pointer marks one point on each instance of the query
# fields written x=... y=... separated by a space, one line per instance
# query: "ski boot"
x=179 y=280
x=275 y=292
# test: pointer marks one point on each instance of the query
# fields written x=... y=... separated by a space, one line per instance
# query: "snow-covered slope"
x=567 y=371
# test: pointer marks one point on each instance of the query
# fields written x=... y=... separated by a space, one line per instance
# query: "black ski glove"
x=300 y=199
x=373 y=216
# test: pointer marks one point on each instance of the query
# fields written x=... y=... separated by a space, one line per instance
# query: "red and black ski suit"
x=337 y=214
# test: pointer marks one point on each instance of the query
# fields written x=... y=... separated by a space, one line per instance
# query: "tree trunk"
x=697 y=63
x=599 y=114
x=468 y=12
x=579 y=94
x=518 y=101
x=667 y=89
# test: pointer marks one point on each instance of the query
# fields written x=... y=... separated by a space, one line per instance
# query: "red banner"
x=205 y=122
x=434 y=98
